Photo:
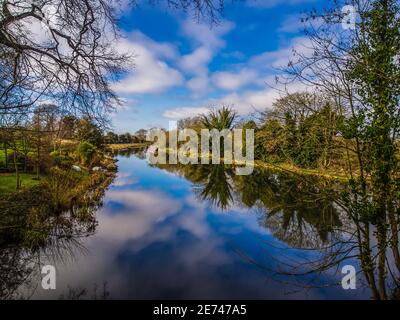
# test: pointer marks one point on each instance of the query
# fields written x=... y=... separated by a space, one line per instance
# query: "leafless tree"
x=65 y=51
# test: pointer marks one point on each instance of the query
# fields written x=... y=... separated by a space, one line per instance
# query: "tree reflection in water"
x=305 y=213
x=30 y=239
x=311 y=214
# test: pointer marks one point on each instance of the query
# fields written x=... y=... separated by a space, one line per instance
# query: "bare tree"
x=64 y=51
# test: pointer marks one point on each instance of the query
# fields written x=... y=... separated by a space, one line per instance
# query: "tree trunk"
x=394 y=239
x=25 y=155
x=5 y=154
x=38 y=149
x=16 y=168
x=382 y=246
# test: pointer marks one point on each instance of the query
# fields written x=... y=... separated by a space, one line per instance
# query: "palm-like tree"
x=219 y=119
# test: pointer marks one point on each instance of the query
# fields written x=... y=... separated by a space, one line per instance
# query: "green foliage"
x=352 y=127
x=89 y=132
x=219 y=119
x=299 y=130
x=269 y=141
x=375 y=71
x=249 y=125
x=8 y=182
x=61 y=159
x=194 y=123
x=3 y=157
x=38 y=227
x=68 y=127
x=59 y=187
x=216 y=187
x=86 y=152
x=141 y=135
x=111 y=137
x=63 y=204
x=126 y=138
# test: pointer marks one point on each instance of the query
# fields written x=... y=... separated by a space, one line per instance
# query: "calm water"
x=201 y=232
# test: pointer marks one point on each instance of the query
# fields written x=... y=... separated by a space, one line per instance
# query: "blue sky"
x=184 y=66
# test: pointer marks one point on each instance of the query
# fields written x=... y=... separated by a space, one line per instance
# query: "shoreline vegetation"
x=339 y=174
x=115 y=147
x=331 y=174
x=54 y=190
x=52 y=180
x=54 y=205
x=50 y=141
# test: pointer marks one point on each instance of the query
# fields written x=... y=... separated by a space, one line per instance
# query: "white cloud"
x=199 y=85
x=205 y=35
x=208 y=42
x=280 y=58
x=251 y=101
x=160 y=49
x=257 y=71
x=124 y=179
x=124 y=104
x=259 y=100
x=233 y=81
x=154 y=70
x=197 y=61
x=244 y=103
x=147 y=213
x=151 y=74
x=184 y=112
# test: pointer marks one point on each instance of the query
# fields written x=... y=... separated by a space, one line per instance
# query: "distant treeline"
x=113 y=138
x=302 y=129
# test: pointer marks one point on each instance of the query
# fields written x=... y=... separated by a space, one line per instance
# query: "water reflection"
x=203 y=232
x=23 y=250
x=32 y=235
x=308 y=213
x=299 y=211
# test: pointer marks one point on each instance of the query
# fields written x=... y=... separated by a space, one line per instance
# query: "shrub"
x=59 y=188
x=61 y=159
x=86 y=152
x=37 y=228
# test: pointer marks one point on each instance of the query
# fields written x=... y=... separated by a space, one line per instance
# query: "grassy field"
x=8 y=182
x=2 y=155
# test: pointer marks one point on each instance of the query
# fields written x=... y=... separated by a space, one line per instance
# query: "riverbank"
x=59 y=201
x=338 y=174
x=125 y=146
x=69 y=179
x=70 y=156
